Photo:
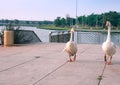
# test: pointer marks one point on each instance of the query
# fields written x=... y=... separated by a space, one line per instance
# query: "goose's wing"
x=113 y=48
x=104 y=46
x=109 y=48
x=113 y=45
x=71 y=48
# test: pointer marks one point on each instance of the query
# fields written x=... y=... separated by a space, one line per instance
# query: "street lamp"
x=76 y=25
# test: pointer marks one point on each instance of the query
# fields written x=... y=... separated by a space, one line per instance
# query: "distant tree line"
x=93 y=20
x=4 y=22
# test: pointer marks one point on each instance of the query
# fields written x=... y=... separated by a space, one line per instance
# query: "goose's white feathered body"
x=108 y=47
x=71 y=47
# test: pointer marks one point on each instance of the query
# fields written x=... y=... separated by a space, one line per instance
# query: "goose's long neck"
x=71 y=36
x=108 y=36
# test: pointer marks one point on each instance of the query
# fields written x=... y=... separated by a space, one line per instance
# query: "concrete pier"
x=45 y=64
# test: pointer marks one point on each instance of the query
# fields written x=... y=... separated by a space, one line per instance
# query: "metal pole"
x=50 y=40
x=76 y=15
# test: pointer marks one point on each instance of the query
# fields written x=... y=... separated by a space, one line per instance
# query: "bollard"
x=8 y=38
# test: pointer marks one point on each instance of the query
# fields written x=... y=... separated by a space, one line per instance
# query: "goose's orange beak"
x=72 y=30
x=107 y=23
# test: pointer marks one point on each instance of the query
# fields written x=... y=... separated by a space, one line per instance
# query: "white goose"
x=71 y=47
x=108 y=47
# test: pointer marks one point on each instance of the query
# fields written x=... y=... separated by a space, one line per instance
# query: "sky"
x=40 y=10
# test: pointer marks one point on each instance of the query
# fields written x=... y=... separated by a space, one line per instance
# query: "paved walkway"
x=45 y=64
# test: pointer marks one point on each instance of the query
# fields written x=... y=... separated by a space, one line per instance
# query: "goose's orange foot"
x=108 y=63
x=69 y=61
x=74 y=59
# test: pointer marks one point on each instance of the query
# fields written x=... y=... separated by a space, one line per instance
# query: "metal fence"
x=84 y=37
x=61 y=36
x=97 y=37
x=23 y=37
x=88 y=37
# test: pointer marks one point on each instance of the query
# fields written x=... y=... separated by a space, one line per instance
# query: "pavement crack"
x=100 y=77
x=49 y=73
x=17 y=65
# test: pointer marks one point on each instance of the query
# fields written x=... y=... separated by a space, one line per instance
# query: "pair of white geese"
x=108 y=47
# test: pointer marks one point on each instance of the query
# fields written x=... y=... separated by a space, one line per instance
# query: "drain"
x=37 y=56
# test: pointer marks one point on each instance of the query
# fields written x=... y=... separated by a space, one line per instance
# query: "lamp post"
x=76 y=25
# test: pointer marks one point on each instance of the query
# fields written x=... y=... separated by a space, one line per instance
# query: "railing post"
x=73 y=36
x=62 y=35
x=58 y=37
x=50 y=33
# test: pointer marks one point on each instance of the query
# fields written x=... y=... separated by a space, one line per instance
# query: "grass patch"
x=52 y=27
x=85 y=28
x=99 y=77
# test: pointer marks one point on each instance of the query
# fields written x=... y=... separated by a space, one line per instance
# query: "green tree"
x=68 y=20
x=16 y=21
x=63 y=22
x=57 y=22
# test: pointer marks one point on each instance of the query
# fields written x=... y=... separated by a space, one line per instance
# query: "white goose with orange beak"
x=108 y=47
x=71 y=47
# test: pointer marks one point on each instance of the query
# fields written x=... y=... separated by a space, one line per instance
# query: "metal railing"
x=59 y=36
x=23 y=37
x=84 y=37
x=96 y=37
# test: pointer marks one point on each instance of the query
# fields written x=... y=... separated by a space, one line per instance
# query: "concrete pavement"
x=45 y=64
